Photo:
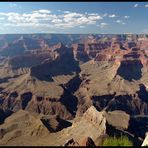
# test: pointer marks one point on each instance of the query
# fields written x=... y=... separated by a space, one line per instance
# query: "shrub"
x=115 y=141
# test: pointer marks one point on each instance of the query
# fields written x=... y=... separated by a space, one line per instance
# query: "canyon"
x=74 y=87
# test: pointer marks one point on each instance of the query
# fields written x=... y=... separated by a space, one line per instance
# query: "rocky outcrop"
x=45 y=79
x=71 y=142
x=54 y=123
x=92 y=124
x=85 y=142
x=118 y=119
x=21 y=123
x=107 y=60
x=85 y=52
x=27 y=124
x=65 y=75
x=145 y=142
x=91 y=129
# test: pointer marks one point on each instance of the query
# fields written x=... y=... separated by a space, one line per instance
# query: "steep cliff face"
x=66 y=74
x=19 y=124
x=38 y=88
x=85 y=51
x=28 y=128
x=145 y=142
x=91 y=124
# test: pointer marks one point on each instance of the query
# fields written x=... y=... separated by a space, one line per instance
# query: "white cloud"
x=29 y=25
x=120 y=22
x=82 y=20
x=126 y=17
x=8 y=14
x=73 y=14
x=66 y=11
x=97 y=17
x=112 y=15
x=27 y=19
x=103 y=25
x=56 y=21
x=146 y=6
x=73 y=19
x=136 y=5
x=42 y=11
x=48 y=19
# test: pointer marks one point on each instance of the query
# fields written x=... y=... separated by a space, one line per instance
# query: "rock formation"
x=21 y=123
x=145 y=142
x=64 y=75
x=92 y=124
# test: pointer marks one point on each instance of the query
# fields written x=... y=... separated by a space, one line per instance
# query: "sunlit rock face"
x=72 y=89
x=145 y=142
x=66 y=74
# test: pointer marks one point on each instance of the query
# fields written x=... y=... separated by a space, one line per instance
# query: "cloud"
x=74 y=19
x=56 y=21
x=66 y=11
x=136 y=5
x=126 y=17
x=120 y=22
x=97 y=17
x=29 y=25
x=92 y=13
x=112 y=15
x=8 y=14
x=42 y=11
x=43 y=17
x=146 y=6
x=28 y=19
x=103 y=25
x=72 y=15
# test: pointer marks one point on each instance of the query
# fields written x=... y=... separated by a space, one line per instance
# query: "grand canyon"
x=73 y=89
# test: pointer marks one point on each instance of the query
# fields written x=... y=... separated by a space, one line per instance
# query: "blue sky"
x=73 y=17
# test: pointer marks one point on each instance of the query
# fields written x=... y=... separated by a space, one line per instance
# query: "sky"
x=74 y=17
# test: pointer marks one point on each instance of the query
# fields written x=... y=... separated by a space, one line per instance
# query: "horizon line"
x=77 y=33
